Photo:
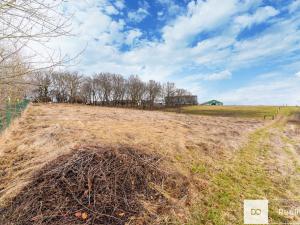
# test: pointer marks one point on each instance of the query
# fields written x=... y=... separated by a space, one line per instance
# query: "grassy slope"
x=232 y=111
x=245 y=177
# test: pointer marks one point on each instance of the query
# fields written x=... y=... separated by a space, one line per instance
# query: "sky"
x=236 y=51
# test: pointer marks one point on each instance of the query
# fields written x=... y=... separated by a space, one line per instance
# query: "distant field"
x=236 y=111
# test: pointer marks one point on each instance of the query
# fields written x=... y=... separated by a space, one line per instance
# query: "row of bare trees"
x=101 y=89
x=26 y=26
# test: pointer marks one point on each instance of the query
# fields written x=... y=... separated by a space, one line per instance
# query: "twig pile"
x=93 y=185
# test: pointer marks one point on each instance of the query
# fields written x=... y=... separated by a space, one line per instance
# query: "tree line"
x=25 y=22
x=101 y=89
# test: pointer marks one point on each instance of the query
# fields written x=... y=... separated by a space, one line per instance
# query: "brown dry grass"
x=48 y=131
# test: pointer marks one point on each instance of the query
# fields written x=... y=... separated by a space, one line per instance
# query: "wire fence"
x=11 y=111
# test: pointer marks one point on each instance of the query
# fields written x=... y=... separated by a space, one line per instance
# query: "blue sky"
x=240 y=52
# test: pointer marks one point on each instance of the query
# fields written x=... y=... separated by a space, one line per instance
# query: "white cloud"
x=281 y=39
x=132 y=36
x=170 y=8
x=160 y=13
x=271 y=93
x=294 y=6
x=297 y=74
x=261 y=15
x=96 y=32
x=111 y=10
x=200 y=16
x=139 y=15
x=171 y=56
x=213 y=51
x=120 y=4
x=268 y=76
x=224 y=75
x=150 y=59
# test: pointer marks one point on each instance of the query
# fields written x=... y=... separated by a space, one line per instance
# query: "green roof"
x=213 y=102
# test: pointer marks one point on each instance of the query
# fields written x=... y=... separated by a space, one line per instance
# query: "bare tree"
x=73 y=82
x=42 y=83
x=12 y=88
x=94 y=90
x=22 y=23
x=181 y=92
x=136 y=90
x=87 y=91
x=169 y=89
x=104 y=87
x=118 y=88
x=153 y=91
x=31 y=19
x=59 y=87
x=97 y=90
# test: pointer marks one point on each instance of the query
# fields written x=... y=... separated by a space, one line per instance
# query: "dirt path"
x=266 y=168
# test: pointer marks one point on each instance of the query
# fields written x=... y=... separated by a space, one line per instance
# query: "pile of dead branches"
x=96 y=185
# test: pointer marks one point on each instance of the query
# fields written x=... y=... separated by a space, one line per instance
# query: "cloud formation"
x=139 y=15
x=221 y=40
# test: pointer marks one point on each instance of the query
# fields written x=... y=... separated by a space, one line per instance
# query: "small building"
x=181 y=100
x=212 y=102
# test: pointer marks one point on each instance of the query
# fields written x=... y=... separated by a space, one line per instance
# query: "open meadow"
x=259 y=112
x=204 y=166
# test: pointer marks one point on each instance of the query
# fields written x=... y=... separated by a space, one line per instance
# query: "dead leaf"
x=86 y=193
x=36 y=218
x=78 y=214
x=84 y=216
x=121 y=214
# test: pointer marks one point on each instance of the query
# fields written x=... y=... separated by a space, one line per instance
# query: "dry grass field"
x=223 y=159
x=258 y=112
